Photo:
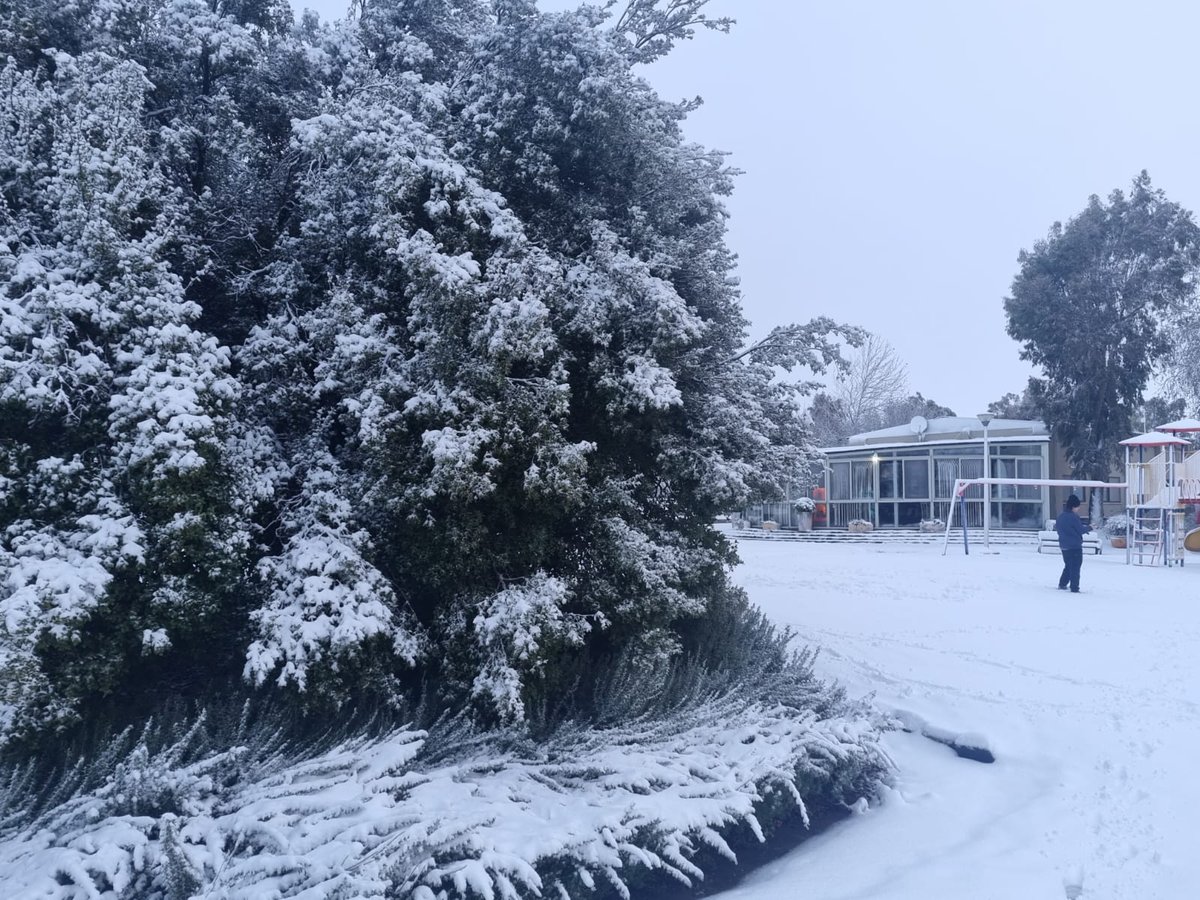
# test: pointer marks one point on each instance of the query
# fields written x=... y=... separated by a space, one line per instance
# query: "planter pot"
x=804 y=521
x=859 y=527
x=1118 y=542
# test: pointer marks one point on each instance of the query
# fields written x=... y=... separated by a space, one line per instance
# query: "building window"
x=862 y=480
x=1021 y=515
x=1029 y=468
x=888 y=479
x=916 y=479
x=945 y=473
x=839 y=481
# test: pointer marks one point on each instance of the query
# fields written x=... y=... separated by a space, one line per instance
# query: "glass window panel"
x=1029 y=468
x=1021 y=515
x=887 y=513
x=911 y=513
x=916 y=478
x=888 y=472
x=862 y=480
x=972 y=467
x=839 y=481
x=974 y=514
x=1004 y=468
x=1017 y=449
x=945 y=472
x=840 y=514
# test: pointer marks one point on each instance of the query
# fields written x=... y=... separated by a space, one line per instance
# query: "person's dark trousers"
x=1072 y=563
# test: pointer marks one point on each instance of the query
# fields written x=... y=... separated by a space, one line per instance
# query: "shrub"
x=1116 y=526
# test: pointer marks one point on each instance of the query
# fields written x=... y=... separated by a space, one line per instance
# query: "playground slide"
x=1191 y=540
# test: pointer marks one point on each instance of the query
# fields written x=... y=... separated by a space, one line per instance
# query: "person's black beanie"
x=1072 y=502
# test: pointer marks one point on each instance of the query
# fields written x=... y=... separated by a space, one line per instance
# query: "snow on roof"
x=1153 y=439
x=947 y=427
x=1180 y=425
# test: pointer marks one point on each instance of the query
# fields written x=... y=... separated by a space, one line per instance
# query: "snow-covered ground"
x=1090 y=703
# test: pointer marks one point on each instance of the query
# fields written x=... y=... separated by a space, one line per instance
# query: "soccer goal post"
x=961 y=485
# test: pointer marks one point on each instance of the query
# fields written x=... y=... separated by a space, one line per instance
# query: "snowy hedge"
x=447 y=814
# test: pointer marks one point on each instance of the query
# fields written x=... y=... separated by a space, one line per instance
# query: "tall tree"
x=1087 y=306
x=1155 y=411
x=1024 y=405
x=901 y=411
x=1181 y=368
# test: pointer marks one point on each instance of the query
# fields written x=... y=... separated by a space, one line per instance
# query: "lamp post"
x=985 y=419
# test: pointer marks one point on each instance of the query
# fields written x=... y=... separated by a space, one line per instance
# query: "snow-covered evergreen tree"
x=350 y=365
x=485 y=358
x=327 y=347
x=122 y=534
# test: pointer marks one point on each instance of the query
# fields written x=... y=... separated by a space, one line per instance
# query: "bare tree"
x=875 y=380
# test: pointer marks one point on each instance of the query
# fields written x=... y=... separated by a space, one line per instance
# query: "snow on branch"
x=653 y=26
x=450 y=814
x=814 y=345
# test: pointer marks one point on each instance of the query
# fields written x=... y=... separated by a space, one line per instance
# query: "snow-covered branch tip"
x=816 y=345
x=654 y=26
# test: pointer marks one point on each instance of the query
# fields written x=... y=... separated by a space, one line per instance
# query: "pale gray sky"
x=898 y=156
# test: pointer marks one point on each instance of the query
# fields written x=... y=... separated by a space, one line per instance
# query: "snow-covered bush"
x=1116 y=525
x=804 y=504
x=450 y=812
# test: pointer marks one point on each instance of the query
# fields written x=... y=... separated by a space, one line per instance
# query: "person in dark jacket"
x=1070 y=530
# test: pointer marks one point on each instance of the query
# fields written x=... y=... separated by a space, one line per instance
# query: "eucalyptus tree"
x=1088 y=305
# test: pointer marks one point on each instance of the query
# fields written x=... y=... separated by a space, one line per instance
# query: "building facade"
x=898 y=477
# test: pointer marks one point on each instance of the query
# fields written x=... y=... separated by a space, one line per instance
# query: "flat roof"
x=909 y=445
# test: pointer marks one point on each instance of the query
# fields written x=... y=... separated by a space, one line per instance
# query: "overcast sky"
x=897 y=157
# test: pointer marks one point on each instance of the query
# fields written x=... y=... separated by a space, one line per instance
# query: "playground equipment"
x=1162 y=496
x=1163 y=478
x=1191 y=540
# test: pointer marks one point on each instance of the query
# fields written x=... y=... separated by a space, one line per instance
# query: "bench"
x=1048 y=540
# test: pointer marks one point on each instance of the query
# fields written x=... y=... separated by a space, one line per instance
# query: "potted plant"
x=1116 y=527
x=804 y=507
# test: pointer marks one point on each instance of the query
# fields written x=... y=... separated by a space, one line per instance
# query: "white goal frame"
x=961 y=485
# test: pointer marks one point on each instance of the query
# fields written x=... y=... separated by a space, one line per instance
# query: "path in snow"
x=1090 y=703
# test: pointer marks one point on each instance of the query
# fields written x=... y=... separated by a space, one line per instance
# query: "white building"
x=896 y=477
